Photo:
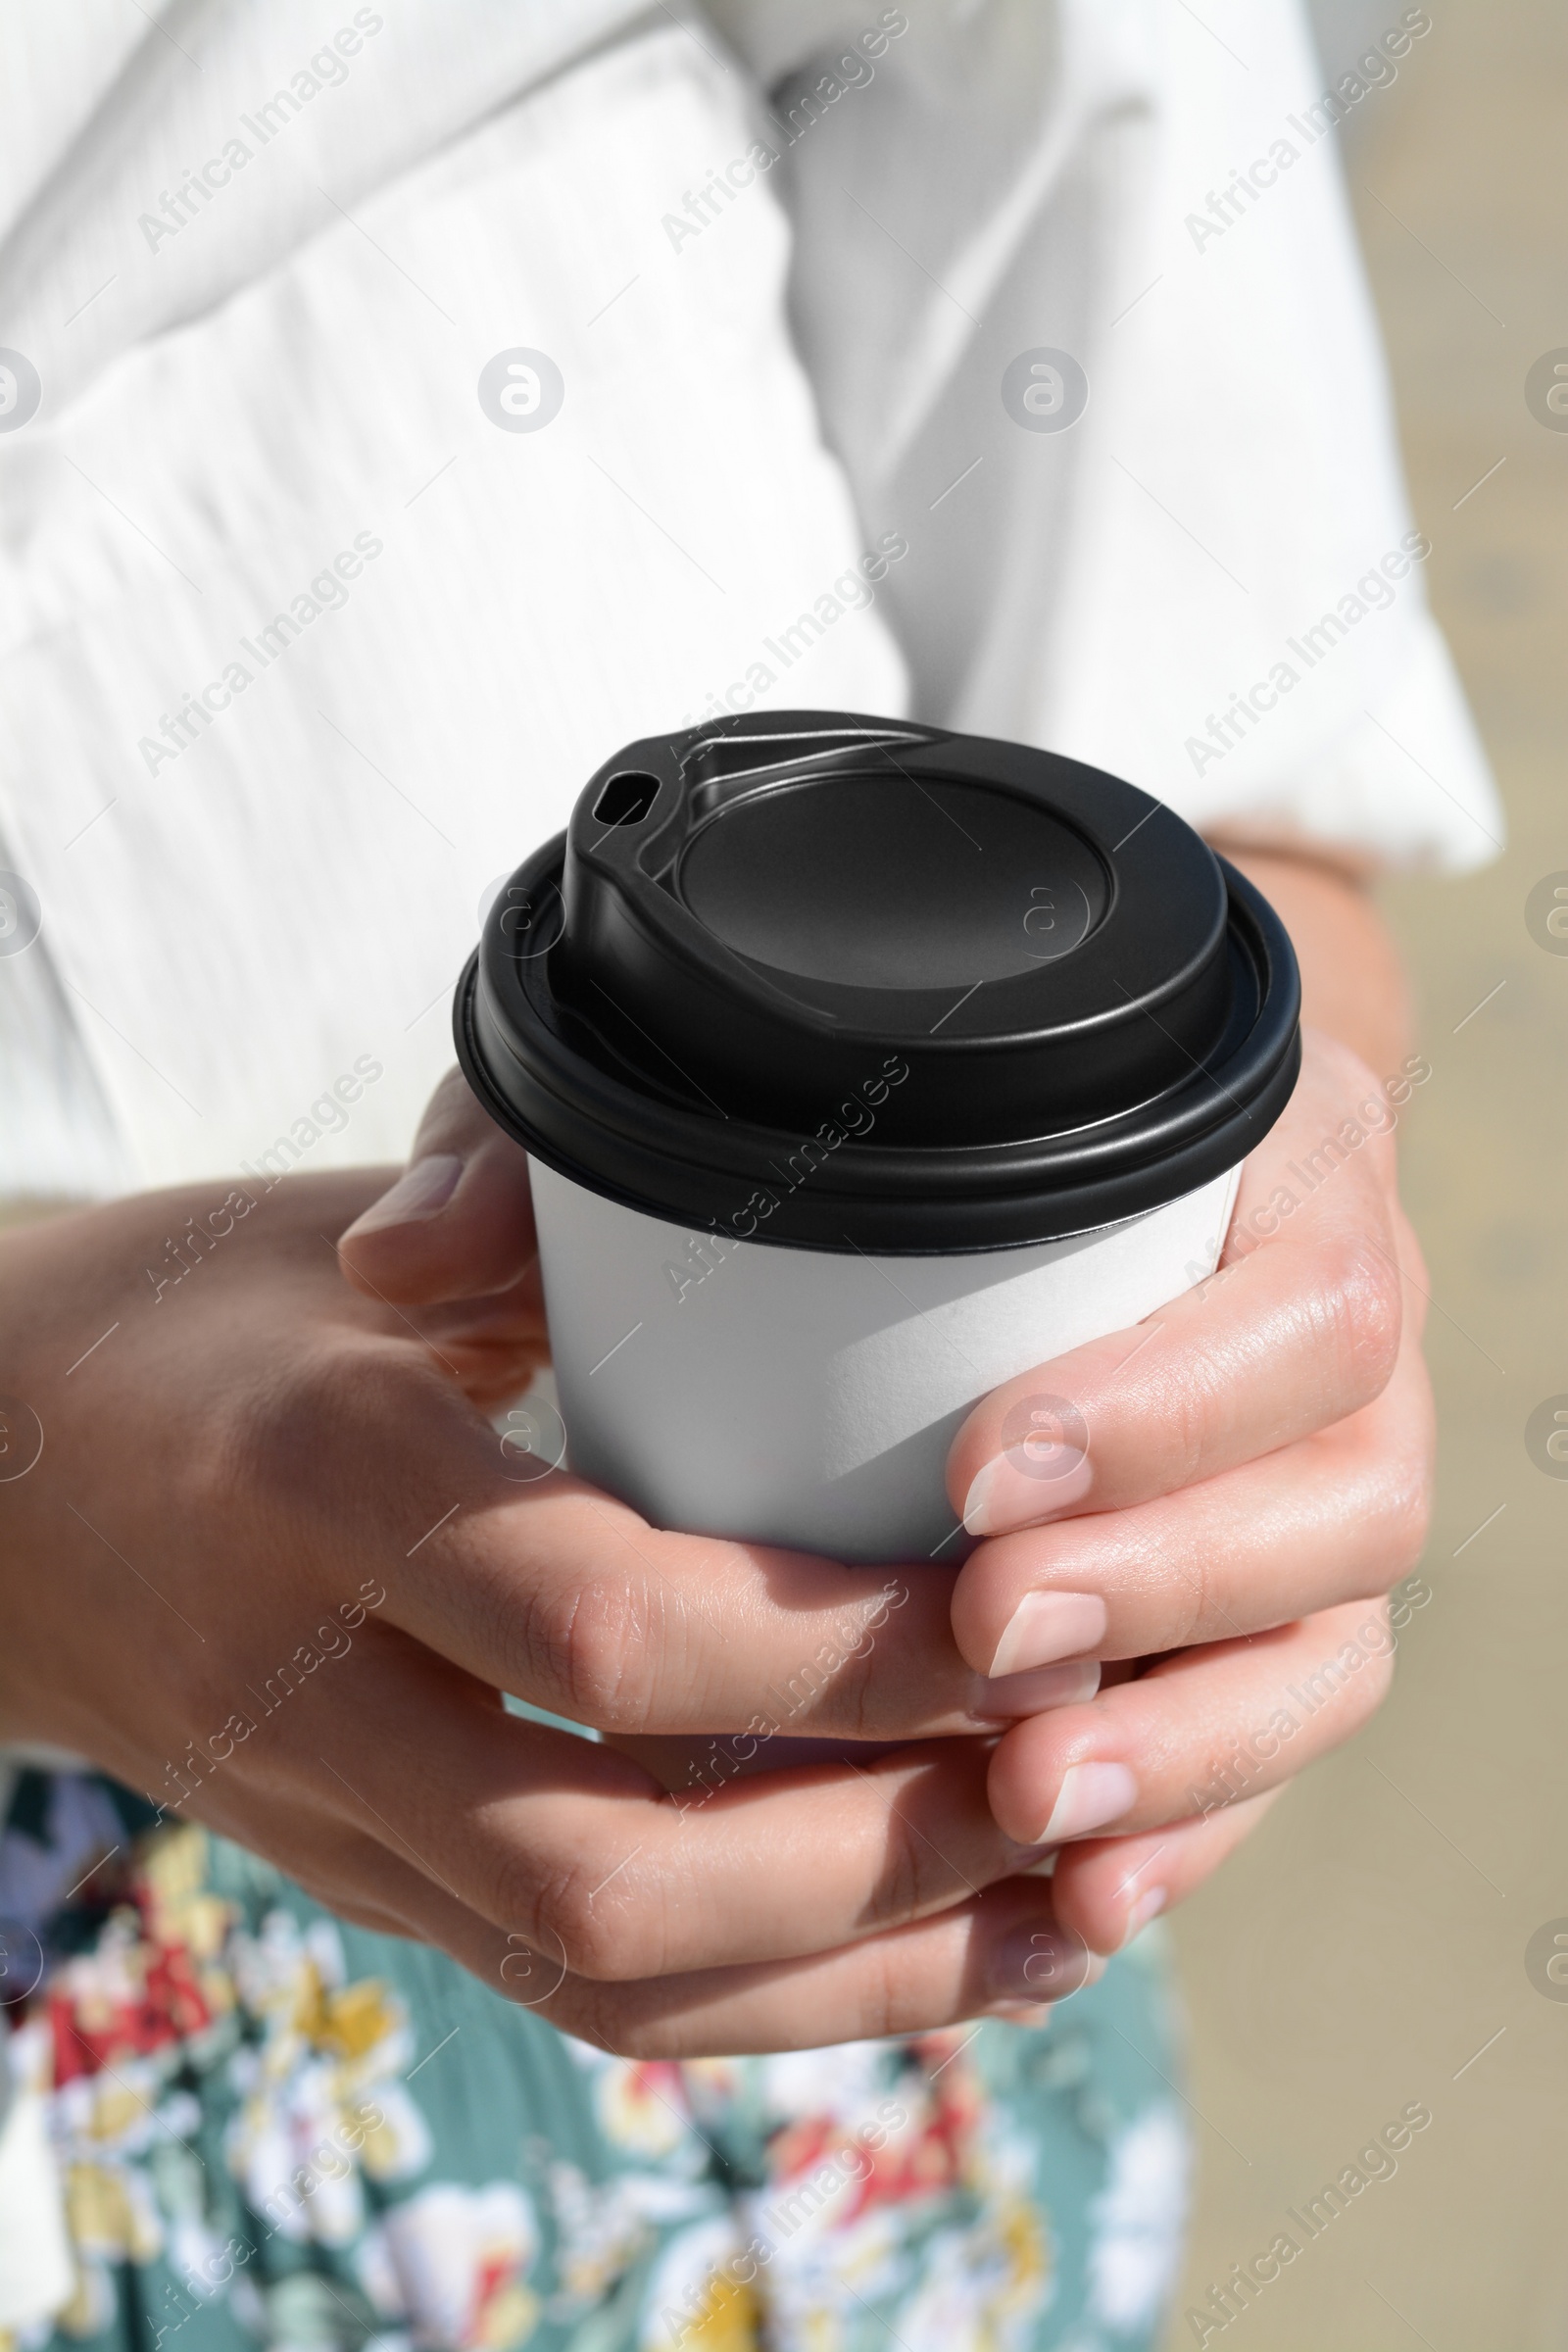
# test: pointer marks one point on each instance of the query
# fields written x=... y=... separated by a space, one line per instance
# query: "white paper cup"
x=862 y=1066
x=800 y=1397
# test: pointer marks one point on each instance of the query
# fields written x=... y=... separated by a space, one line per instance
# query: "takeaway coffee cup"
x=862 y=1067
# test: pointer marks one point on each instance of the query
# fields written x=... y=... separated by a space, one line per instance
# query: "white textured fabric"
x=1112 y=589
x=761 y=381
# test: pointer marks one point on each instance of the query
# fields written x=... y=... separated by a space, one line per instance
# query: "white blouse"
x=1002 y=362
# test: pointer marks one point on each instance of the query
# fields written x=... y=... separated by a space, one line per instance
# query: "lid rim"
x=947 y=1226
x=1009 y=1200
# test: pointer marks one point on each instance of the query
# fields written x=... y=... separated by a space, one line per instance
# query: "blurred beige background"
x=1372 y=1939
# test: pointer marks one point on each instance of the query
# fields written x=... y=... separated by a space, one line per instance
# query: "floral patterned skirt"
x=237 y=2122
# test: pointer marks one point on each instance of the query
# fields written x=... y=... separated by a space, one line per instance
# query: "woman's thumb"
x=458 y=1221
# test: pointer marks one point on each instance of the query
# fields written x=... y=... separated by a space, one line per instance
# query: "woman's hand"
x=272 y=1566
x=1255 y=1478
x=1220 y=1499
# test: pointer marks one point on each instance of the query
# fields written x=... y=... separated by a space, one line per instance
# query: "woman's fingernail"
x=1020 y=2013
x=1090 y=1796
x=1017 y=1490
x=1048 y=1626
x=421 y=1191
x=1147 y=1906
x=1040 y=1963
x=1015 y=1695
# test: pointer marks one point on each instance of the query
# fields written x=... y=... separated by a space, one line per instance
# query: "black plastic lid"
x=841 y=983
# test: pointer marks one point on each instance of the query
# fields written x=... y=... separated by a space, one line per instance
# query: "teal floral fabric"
x=270 y=2129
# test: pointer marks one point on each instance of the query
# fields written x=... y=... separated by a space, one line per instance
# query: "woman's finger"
x=492 y=1346
x=1338 y=1517
x=578 y=1848
x=1105 y=1889
x=1003 y=1954
x=1196 y=1732
x=574 y=1602
x=1296 y=1331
